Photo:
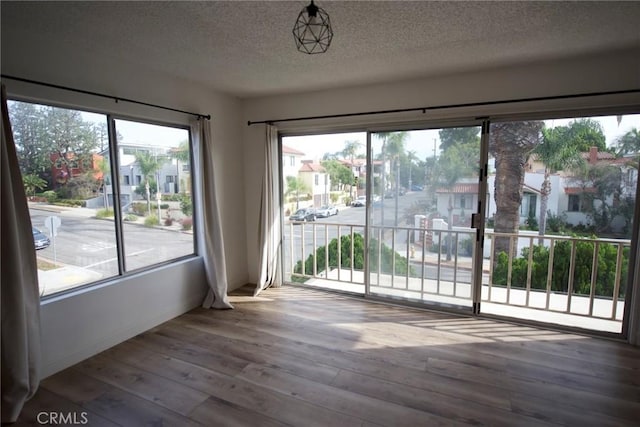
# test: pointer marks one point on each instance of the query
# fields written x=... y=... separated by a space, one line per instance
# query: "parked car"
x=359 y=202
x=304 y=214
x=415 y=187
x=39 y=239
x=326 y=211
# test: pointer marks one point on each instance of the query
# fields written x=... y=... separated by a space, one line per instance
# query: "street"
x=90 y=243
x=352 y=219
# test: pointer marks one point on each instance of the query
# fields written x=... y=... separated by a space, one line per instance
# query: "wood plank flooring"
x=301 y=357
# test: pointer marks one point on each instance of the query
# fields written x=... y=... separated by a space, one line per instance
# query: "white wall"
x=84 y=323
x=612 y=71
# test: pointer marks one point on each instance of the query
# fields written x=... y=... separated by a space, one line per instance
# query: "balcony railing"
x=559 y=275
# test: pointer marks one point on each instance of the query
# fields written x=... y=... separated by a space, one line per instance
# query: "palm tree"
x=395 y=148
x=629 y=143
x=510 y=144
x=32 y=183
x=384 y=136
x=411 y=156
x=350 y=150
x=557 y=152
x=149 y=164
x=181 y=154
x=296 y=186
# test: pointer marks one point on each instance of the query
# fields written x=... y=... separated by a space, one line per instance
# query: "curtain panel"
x=20 y=299
x=270 y=233
x=211 y=227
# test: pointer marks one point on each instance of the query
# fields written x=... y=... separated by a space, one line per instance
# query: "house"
x=237 y=62
x=172 y=175
x=317 y=180
x=291 y=161
x=64 y=168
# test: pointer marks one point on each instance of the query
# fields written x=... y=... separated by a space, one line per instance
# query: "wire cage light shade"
x=312 y=31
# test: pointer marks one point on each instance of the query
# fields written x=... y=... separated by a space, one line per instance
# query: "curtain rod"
x=444 y=107
x=102 y=95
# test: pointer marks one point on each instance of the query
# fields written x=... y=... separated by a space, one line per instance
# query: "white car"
x=326 y=211
x=359 y=202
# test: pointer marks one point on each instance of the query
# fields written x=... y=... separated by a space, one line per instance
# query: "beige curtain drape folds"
x=213 y=250
x=20 y=299
x=270 y=235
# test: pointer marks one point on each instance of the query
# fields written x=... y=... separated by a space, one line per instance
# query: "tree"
x=182 y=155
x=338 y=172
x=28 y=125
x=511 y=143
x=70 y=137
x=149 y=164
x=586 y=133
x=557 y=151
x=350 y=150
x=395 y=149
x=450 y=168
x=601 y=191
x=32 y=183
x=411 y=157
x=457 y=136
x=296 y=186
x=629 y=143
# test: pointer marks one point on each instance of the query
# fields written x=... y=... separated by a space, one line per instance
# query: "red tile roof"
x=312 y=167
x=289 y=150
x=465 y=188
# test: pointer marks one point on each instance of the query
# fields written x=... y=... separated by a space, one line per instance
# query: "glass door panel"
x=424 y=191
x=558 y=229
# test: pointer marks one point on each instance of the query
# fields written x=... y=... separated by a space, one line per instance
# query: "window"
x=463 y=201
x=156 y=230
x=76 y=247
x=574 y=203
x=317 y=179
x=292 y=160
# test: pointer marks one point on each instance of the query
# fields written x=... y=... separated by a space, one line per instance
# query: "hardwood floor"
x=301 y=357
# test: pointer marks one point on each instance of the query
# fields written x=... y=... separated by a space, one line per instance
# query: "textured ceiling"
x=247 y=49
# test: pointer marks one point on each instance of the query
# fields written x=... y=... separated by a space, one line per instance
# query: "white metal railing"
x=538 y=272
x=570 y=293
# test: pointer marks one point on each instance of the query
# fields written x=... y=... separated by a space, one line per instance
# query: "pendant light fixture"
x=312 y=30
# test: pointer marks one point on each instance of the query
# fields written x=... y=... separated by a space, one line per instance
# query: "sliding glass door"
x=522 y=219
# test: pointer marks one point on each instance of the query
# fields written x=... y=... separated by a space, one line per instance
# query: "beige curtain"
x=213 y=251
x=20 y=300
x=270 y=235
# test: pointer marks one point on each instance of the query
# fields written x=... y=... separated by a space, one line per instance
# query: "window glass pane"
x=62 y=159
x=157 y=210
x=564 y=249
x=320 y=184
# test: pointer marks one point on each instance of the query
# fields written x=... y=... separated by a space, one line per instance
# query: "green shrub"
x=186 y=204
x=386 y=259
x=139 y=209
x=556 y=223
x=164 y=205
x=131 y=217
x=151 y=220
x=104 y=213
x=605 y=280
x=50 y=195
